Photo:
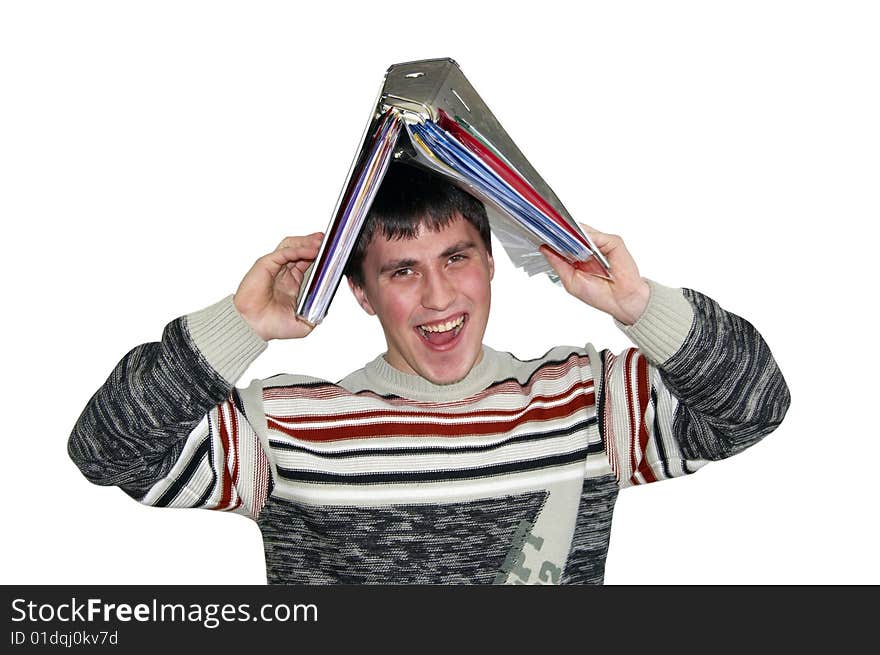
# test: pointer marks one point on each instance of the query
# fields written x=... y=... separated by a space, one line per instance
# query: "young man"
x=441 y=461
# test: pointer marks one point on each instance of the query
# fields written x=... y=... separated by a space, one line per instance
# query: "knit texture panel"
x=457 y=543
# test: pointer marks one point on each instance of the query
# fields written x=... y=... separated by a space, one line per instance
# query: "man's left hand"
x=625 y=297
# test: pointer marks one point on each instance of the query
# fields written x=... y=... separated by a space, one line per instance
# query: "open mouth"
x=440 y=334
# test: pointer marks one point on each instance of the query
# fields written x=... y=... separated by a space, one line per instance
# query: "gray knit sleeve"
x=702 y=385
x=134 y=428
x=168 y=426
x=730 y=388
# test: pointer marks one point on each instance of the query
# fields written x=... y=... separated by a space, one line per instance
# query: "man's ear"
x=361 y=296
x=491 y=266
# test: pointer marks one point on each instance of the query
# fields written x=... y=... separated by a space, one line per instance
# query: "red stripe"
x=226 y=479
x=398 y=429
x=401 y=414
x=630 y=402
x=234 y=416
x=642 y=380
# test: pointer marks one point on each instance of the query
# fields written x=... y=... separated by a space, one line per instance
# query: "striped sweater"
x=508 y=476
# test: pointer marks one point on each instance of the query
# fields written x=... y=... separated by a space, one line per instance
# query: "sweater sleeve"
x=168 y=426
x=702 y=385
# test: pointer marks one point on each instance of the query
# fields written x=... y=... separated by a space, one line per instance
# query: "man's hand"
x=266 y=297
x=625 y=298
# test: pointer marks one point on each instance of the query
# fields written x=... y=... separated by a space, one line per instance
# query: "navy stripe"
x=434 y=476
x=433 y=450
x=210 y=487
x=298 y=385
x=236 y=401
x=172 y=491
x=528 y=380
x=599 y=389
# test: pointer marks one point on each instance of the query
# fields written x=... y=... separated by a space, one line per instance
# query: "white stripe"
x=425 y=492
x=615 y=395
x=193 y=441
x=252 y=400
x=246 y=462
x=666 y=405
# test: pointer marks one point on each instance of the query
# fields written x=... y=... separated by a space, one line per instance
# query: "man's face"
x=432 y=297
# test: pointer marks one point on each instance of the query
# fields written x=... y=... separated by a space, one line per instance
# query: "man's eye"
x=457 y=258
x=402 y=272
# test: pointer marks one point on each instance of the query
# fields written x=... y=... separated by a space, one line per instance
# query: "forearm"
x=728 y=386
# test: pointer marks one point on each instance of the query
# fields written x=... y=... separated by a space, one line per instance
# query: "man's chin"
x=448 y=379
x=449 y=373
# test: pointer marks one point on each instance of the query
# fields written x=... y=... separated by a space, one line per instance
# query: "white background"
x=149 y=152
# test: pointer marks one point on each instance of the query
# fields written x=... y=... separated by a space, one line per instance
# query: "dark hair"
x=408 y=198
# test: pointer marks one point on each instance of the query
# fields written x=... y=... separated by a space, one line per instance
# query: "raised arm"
x=702 y=384
x=168 y=426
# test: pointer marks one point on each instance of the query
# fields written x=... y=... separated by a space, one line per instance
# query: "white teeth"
x=443 y=327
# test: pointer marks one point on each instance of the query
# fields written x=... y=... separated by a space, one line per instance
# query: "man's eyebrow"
x=458 y=247
x=397 y=263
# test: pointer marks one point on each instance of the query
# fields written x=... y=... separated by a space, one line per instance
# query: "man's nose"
x=438 y=291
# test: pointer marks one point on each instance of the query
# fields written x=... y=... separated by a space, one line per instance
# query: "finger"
x=289 y=281
x=296 y=269
x=301 y=265
x=274 y=261
x=293 y=254
x=594 y=268
x=599 y=239
x=286 y=242
x=594 y=232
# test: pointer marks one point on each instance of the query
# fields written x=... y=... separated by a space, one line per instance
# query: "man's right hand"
x=266 y=297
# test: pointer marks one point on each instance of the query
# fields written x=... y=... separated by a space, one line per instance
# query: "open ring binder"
x=428 y=115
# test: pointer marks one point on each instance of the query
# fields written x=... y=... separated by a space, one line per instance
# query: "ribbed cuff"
x=663 y=327
x=225 y=339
